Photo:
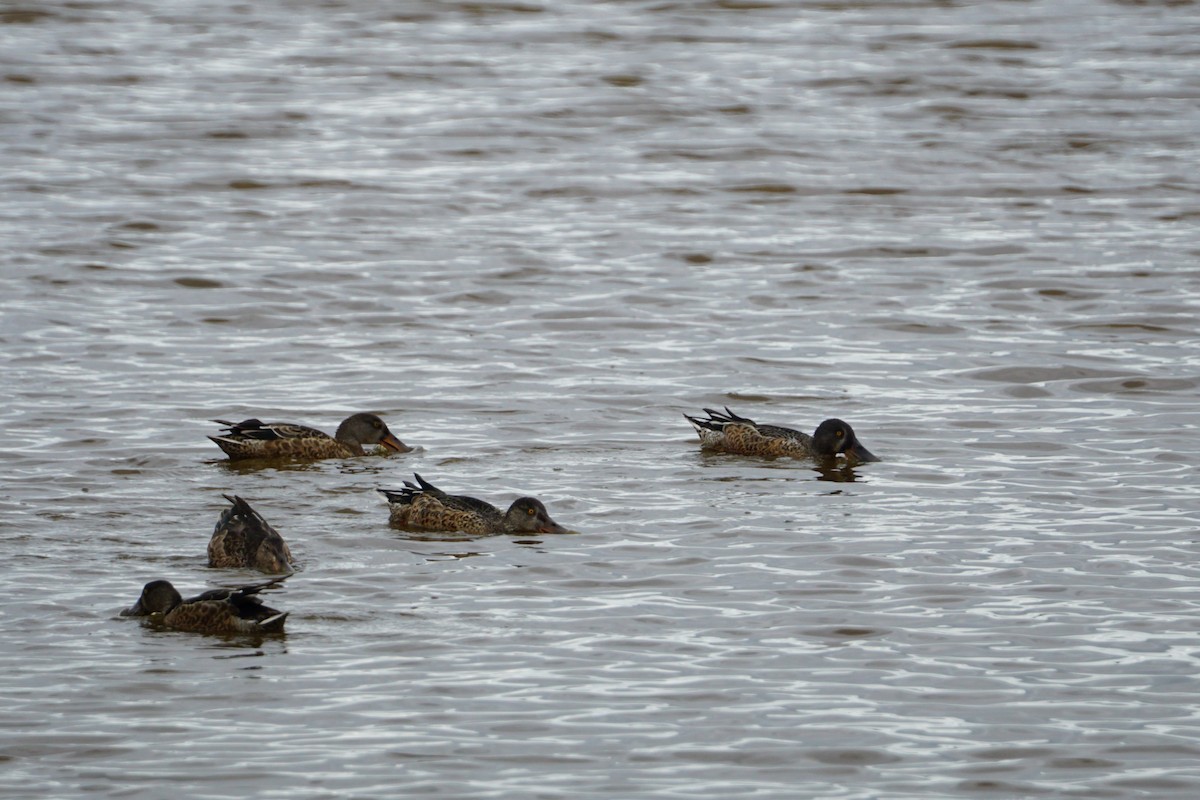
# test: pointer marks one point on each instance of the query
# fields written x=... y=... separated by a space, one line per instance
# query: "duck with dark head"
x=729 y=433
x=423 y=506
x=236 y=610
x=253 y=438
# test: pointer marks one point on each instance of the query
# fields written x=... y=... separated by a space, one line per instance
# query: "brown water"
x=530 y=235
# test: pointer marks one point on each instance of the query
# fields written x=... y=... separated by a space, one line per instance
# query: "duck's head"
x=369 y=429
x=527 y=514
x=834 y=436
x=158 y=597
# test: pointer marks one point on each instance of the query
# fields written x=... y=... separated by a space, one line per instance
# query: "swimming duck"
x=422 y=505
x=730 y=433
x=242 y=538
x=234 y=610
x=254 y=438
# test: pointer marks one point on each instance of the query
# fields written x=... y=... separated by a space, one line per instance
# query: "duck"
x=729 y=433
x=253 y=438
x=423 y=506
x=243 y=539
x=235 y=610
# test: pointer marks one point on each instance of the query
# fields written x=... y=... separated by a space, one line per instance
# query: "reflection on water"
x=440 y=555
x=529 y=236
x=838 y=473
x=232 y=645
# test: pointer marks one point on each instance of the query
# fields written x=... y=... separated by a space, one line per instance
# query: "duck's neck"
x=351 y=442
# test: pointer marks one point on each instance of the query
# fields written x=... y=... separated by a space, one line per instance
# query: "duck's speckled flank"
x=432 y=513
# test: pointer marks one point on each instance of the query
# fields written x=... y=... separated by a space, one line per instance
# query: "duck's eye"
x=840 y=433
x=531 y=511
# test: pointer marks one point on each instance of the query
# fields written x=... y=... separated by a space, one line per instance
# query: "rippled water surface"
x=531 y=235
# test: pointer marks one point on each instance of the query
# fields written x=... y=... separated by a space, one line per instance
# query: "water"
x=531 y=236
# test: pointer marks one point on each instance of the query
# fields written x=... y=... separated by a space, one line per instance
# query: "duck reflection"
x=837 y=471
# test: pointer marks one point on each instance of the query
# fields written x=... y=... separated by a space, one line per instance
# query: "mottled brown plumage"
x=243 y=539
x=425 y=507
x=254 y=438
x=729 y=433
x=234 y=610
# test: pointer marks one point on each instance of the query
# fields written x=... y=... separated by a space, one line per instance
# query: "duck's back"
x=255 y=439
x=222 y=611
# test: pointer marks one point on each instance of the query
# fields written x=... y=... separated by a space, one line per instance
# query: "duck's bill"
x=550 y=526
x=135 y=610
x=861 y=454
x=394 y=444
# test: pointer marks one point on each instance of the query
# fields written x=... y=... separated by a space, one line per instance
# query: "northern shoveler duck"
x=242 y=538
x=730 y=433
x=424 y=506
x=254 y=438
x=234 y=610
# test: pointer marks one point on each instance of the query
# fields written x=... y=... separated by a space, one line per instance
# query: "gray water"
x=531 y=235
